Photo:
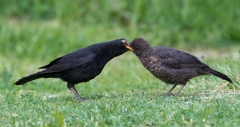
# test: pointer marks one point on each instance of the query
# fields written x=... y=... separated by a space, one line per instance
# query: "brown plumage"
x=171 y=66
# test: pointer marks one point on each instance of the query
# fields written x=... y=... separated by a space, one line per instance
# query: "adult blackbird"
x=171 y=66
x=81 y=65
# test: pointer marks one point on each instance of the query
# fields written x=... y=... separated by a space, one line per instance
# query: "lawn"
x=125 y=93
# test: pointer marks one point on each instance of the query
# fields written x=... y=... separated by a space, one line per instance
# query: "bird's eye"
x=137 y=44
x=124 y=41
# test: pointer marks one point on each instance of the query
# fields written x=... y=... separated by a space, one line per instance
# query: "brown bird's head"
x=139 y=45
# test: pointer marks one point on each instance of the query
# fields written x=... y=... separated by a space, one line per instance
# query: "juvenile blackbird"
x=81 y=65
x=171 y=66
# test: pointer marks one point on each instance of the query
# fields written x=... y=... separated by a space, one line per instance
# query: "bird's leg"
x=72 y=88
x=167 y=94
x=180 y=89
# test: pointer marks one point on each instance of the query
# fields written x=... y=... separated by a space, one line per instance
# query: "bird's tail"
x=220 y=75
x=29 y=78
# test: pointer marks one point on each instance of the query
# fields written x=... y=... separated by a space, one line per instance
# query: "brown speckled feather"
x=169 y=65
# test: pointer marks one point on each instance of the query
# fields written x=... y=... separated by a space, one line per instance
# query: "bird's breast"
x=151 y=63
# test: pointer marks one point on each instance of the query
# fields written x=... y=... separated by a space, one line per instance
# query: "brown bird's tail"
x=220 y=75
x=29 y=78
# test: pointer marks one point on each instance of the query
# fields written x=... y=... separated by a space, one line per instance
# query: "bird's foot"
x=169 y=94
x=80 y=99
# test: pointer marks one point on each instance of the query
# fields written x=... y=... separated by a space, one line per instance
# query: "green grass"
x=124 y=94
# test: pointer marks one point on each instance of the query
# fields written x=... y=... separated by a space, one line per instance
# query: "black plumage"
x=81 y=65
x=171 y=66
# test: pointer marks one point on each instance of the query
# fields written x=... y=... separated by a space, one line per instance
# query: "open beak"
x=127 y=45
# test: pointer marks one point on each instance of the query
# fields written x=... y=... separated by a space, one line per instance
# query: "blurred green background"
x=40 y=28
x=176 y=23
x=34 y=32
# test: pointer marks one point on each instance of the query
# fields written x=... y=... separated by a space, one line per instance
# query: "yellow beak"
x=127 y=45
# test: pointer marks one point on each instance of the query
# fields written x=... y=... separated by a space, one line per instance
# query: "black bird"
x=81 y=65
x=171 y=66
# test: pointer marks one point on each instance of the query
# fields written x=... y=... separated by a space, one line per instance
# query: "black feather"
x=81 y=65
x=28 y=78
x=220 y=75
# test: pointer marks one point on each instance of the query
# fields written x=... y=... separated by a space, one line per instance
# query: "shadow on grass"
x=137 y=95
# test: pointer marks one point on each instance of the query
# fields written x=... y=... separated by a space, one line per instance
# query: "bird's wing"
x=176 y=59
x=69 y=61
x=188 y=60
x=169 y=58
x=51 y=63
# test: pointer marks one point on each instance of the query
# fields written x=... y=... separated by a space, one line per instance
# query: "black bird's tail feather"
x=220 y=75
x=29 y=78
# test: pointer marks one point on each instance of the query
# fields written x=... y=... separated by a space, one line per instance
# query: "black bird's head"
x=139 y=45
x=120 y=45
x=117 y=47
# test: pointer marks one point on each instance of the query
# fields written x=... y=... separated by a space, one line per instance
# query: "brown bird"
x=81 y=65
x=170 y=65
